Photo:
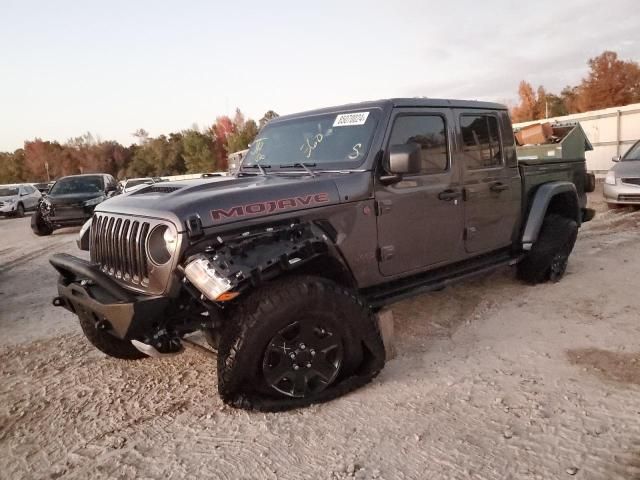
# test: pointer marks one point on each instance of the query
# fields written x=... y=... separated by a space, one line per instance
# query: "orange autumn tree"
x=611 y=82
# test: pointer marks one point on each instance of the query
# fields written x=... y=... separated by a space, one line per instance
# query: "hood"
x=226 y=200
x=629 y=168
x=9 y=198
x=72 y=198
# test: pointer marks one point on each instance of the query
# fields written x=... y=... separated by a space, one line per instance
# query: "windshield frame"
x=375 y=112
x=65 y=179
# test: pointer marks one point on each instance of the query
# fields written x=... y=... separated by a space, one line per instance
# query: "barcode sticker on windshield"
x=348 y=119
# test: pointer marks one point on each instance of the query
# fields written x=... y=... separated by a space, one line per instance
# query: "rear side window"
x=428 y=131
x=28 y=189
x=481 y=141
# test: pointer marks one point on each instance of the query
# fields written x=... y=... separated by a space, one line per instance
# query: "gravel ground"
x=493 y=380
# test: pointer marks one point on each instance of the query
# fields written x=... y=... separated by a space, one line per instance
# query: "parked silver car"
x=17 y=199
x=622 y=183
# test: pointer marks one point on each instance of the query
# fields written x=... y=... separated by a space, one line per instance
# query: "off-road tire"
x=273 y=306
x=39 y=226
x=555 y=241
x=20 y=211
x=107 y=343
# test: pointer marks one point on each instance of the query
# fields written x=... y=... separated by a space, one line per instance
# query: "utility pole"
x=46 y=166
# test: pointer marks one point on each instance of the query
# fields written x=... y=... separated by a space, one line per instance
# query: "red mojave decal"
x=261 y=208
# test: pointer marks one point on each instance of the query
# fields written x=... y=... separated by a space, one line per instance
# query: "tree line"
x=193 y=150
x=610 y=82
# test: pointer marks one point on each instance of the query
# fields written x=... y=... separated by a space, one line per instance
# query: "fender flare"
x=539 y=205
x=249 y=259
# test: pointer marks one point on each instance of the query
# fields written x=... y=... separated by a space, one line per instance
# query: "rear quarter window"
x=481 y=144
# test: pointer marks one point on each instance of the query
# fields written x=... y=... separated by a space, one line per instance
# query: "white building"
x=611 y=132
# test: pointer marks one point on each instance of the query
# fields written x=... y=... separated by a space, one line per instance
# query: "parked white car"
x=17 y=199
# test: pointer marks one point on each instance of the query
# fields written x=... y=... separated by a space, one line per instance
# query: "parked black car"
x=70 y=201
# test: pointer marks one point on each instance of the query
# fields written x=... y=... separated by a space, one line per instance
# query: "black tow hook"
x=58 y=302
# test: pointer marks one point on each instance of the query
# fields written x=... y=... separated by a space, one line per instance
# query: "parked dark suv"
x=71 y=201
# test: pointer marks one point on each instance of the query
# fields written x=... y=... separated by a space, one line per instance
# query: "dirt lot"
x=494 y=380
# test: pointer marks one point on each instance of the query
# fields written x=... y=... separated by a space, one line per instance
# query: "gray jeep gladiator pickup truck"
x=333 y=214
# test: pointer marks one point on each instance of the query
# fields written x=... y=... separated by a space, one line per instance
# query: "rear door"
x=491 y=187
x=33 y=196
x=420 y=217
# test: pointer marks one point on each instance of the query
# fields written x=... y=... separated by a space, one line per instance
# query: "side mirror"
x=617 y=158
x=404 y=159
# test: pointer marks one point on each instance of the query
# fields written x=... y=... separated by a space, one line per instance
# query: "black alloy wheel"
x=558 y=266
x=302 y=359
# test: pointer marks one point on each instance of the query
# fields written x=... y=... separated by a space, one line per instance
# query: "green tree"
x=12 y=167
x=240 y=139
x=199 y=154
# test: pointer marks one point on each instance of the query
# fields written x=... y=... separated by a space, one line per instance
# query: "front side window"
x=481 y=142
x=337 y=140
x=430 y=133
x=69 y=185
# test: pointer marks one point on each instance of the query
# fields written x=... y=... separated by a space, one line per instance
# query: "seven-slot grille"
x=119 y=246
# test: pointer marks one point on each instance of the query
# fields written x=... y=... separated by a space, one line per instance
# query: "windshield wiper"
x=259 y=167
x=304 y=165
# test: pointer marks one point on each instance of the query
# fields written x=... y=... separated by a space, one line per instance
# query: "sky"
x=112 y=67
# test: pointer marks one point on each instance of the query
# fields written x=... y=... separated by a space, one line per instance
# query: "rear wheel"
x=297 y=341
x=549 y=256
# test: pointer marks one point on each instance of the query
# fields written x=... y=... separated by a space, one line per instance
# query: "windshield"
x=332 y=141
x=633 y=153
x=8 y=191
x=77 y=185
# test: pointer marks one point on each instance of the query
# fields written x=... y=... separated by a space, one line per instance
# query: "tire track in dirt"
x=28 y=256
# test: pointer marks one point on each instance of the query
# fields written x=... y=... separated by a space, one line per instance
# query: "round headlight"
x=162 y=243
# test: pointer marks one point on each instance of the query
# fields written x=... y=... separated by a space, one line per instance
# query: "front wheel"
x=297 y=341
x=39 y=226
x=549 y=256
x=20 y=211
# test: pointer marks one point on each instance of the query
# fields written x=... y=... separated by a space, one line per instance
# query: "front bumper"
x=71 y=216
x=8 y=208
x=622 y=193
x=86 y=291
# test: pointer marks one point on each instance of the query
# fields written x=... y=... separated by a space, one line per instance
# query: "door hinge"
x=385 y=253
x=383 y=206
x=194 y=226
x=470 y=232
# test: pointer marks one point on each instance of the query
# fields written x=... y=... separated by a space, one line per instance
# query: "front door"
x=420 y=217
x=491 y=187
